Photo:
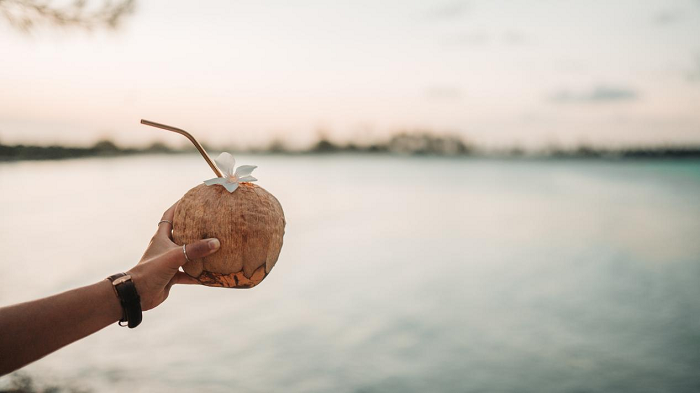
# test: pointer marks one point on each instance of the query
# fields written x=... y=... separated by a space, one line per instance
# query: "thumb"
x=195 y=250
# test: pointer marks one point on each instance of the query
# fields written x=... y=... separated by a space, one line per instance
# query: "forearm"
x=30 y=331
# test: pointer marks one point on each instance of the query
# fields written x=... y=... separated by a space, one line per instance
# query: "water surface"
x=397 y=274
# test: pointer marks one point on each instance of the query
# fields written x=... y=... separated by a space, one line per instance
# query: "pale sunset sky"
x=500 y=73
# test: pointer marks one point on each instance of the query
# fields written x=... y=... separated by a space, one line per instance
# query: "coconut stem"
x=191 y=138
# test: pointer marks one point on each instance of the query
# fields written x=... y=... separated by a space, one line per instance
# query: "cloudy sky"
x=531 y=73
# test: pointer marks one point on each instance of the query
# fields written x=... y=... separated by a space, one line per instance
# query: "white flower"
x=226 y=162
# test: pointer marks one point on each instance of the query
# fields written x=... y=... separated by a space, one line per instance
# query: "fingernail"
x=214 y=244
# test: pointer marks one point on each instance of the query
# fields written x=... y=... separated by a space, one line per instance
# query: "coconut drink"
x=247 y=220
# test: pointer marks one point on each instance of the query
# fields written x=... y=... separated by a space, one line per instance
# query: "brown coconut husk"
x=248 y=222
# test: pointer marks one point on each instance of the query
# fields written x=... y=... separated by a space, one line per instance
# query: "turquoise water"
x=397 y=275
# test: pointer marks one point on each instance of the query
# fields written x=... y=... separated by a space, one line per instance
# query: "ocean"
x=397 y=274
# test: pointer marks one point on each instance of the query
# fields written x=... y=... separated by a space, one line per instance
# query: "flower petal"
x=244 y=170
x=216 y=180
x=225 y=162
x=247 y=179
x=230 y=187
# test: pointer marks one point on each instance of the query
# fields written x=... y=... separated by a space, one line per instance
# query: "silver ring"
x=162 y=221
x=184 y=251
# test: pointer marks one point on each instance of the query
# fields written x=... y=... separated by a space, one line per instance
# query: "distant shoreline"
x=401 y=145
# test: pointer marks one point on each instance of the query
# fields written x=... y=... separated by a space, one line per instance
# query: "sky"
x=500 y=73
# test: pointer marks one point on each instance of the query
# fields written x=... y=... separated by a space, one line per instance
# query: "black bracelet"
x=129 y=299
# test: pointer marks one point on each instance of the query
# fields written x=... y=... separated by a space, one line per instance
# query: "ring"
x=162 y=221
x=184 y=251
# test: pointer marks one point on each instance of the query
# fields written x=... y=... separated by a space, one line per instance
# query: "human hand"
x=159 y=267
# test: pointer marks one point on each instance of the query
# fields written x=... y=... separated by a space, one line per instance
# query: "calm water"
x=397 y=274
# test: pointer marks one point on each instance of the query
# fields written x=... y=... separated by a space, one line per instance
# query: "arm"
x=32 y=330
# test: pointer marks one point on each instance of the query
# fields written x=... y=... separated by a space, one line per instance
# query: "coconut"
x=247 y=220
x=249 y=223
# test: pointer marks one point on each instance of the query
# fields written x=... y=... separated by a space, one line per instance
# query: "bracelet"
x=129 y=298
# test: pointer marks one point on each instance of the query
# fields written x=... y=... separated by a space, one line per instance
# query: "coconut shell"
x=248 y=222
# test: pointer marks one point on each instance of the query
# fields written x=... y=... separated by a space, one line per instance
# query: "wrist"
x=112 y=305
x=129 y=299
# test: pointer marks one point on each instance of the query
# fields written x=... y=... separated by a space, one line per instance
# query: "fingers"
x=201 y=248
x=195 y=250
x=183 y=278
x=170 y=213
x=165 y=228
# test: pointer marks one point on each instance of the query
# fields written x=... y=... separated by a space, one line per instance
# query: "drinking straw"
x=191 y=138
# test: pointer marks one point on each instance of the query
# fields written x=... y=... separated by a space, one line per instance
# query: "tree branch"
x=26 y=15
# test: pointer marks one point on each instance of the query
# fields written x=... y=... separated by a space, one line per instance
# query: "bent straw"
x=191 y=138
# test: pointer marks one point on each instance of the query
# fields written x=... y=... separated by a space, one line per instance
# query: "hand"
x=159 y=267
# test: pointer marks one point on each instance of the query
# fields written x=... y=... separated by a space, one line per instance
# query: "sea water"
x=397 y=274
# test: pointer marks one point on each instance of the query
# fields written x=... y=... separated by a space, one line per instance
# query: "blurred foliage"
x=23 y=383
x=427 y=143
x=413 y=143
x=404 y=142
x=53 y=152
x=26 y=15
